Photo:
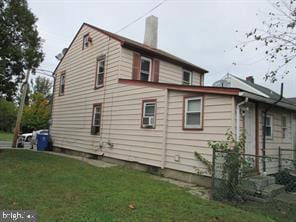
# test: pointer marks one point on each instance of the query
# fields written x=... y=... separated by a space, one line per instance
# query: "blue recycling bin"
x=42 y=142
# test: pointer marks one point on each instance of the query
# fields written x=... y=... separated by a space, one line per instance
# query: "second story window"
x=145 y=72
x=62 y=84
x=100 y=72
x=187 y=77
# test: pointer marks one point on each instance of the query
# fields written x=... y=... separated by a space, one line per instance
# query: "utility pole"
x=21 y=109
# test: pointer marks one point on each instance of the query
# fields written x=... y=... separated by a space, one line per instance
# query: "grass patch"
x=276 y=210
x=64 y=189
x=4 y=136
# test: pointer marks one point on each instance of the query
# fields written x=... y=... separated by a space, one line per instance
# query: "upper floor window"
x=96 y=119
x=149 y=113
x=268 y=127
x=100 y=72
x=284 y=127
x=193 y=113
x=187 y=77
x=62 y=83
x=145 y=72
x=86 y=41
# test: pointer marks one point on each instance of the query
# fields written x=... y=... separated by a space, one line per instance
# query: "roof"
x=178 y=87
x=292 y=100
x=142 y=48
x=270 y=93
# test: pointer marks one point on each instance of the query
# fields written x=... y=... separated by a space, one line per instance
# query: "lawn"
x=64 y=189
x=4 y=136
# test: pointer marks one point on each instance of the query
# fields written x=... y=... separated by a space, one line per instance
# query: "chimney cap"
x=250 y=79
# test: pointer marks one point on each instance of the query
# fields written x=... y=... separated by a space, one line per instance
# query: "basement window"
x=187 y=77
x=145 y=73
x=96 y=119
x=193 y=113
x=149 y=113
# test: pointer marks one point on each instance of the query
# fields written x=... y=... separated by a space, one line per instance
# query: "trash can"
x=42 y=142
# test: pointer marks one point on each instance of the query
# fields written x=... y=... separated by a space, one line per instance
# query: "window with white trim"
x=193 y=113
x=86 y=41
x=96 y=119
x=62 y=84
x=268 y=127
x=187 y=77
x=100 y=72
x=145 y=72
x=284 y=127
x=149 y=111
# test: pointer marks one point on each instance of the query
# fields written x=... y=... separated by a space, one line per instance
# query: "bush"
x=285 y=178
x=7 y=115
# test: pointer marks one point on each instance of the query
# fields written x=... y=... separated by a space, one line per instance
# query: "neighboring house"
x=129 y=101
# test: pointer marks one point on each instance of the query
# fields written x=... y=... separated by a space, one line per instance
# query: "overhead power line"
x=142 y=16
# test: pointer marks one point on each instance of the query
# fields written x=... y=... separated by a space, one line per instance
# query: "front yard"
x=63 y=189
x=4 y=136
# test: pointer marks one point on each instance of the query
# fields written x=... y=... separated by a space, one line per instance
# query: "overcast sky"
x=203 y=32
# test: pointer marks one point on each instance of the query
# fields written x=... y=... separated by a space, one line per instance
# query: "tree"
x=37 y=114
x=277 y=39
x=7 y=115
x=43 y=86
x=20 y=45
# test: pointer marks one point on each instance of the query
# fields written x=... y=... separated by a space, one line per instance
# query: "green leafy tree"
x=277 y=39
x=43 y=86
x=37 y=114
x=20 y=45
x=7 y=115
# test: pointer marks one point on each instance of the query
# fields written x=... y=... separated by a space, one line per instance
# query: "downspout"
x=238 y=117
x=165 y=128
x=264 y=128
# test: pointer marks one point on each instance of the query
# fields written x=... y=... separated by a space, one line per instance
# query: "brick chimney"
x=250 y=79
x=151 y=29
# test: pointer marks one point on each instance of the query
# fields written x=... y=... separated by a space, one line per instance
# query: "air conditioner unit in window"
x=148 y=122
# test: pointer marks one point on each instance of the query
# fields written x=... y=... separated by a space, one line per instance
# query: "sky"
x=203 y=32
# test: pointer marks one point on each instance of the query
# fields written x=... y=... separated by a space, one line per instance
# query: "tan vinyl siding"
x=168 y=73
x=183 y=143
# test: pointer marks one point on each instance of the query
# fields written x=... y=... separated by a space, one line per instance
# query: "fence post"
x=213 y=172
x=280 y=159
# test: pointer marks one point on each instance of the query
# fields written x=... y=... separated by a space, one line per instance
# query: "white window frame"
x=145 y=103
x=187 y=126
x=190 y=79
x=284 y=128
x=98 y=72
x=94 y=118
x=150 y=68
x=85 y=41
x=62 y=83
x=271 y=128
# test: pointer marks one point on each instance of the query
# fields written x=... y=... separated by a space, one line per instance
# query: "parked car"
x=27 y=137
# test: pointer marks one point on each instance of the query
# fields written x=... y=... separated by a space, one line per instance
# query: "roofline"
x=267 y=100
x=176 y=87
x=135 y=47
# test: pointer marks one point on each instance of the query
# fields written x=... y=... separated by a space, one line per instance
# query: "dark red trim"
x=92 y=118
x=202 y=112
x=146 y=101
x=197 y=89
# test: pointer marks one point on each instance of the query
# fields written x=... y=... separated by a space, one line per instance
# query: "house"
x=134 y=103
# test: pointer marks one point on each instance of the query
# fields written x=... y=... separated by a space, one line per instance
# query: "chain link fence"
x=239 y=176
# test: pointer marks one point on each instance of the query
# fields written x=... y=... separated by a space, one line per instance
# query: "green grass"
x=64 y=189
x=276 y=210
x=4 y=136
